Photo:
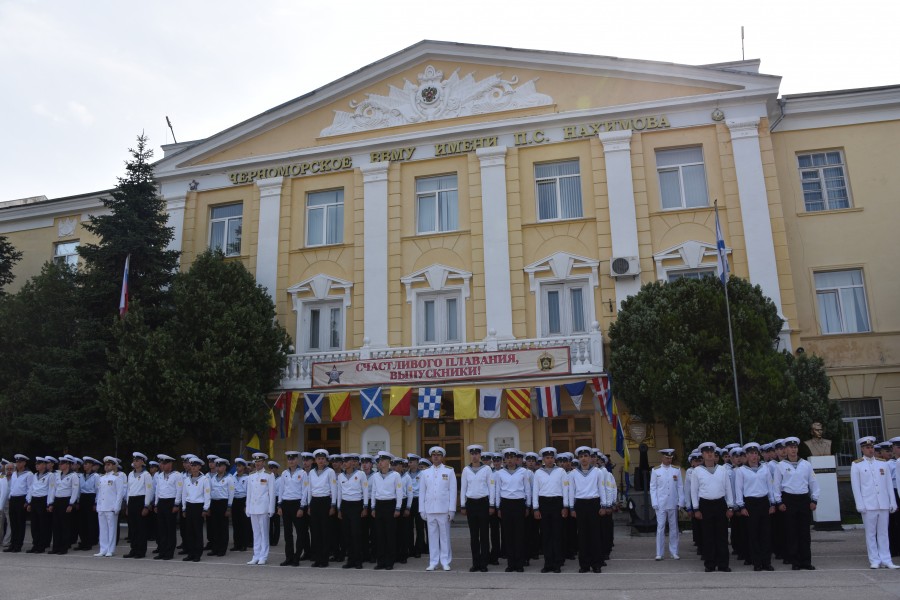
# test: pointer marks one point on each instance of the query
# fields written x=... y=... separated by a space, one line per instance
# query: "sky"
x=80 y=79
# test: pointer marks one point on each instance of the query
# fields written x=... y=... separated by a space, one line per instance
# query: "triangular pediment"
x=440 y=86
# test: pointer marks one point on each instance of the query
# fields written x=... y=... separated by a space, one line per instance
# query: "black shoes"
x=286 y=563
x=768 y=568
x=710 y=569
x=474 y=569
x=583 y=570
x=725 y=569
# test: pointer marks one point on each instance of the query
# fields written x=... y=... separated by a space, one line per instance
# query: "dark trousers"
x=385 y=532
x=193 y=527
x=587 y=512
x=606 y=536
x=418 y=542
x=274 y=530
x=479 y=519
x=368 y=538
x=217 y=523
x=714 y=527
x=182 y=529
x=335 y=538
x=570 y=537
x=17 y=515
x=894 y=527
x=291 y=522
x=303 y=536
x=533 y=540
x=318 y=529
x=165 y=527
x=63 y=523
x=243 y=532
x=351 y=525
x=88 y=526
x=797 y=519
x=695 y=532
x=497 y=549
x=404 y=535
x=41 y=531
x=739 y=534
x=552 y=524
x=512 y=516
x=759 y=550
x=777 y=526
x=136 y=525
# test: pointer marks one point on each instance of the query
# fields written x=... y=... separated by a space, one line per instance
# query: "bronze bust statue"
x=818 y=446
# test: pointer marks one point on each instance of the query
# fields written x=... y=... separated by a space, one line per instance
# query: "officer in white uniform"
x=260 y=507
x=437 y=503
x=666 y=496
x=870 y=479
x=110 y=493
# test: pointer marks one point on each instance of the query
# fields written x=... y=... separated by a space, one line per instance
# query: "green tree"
x=9 y=256
x=670 y=362
x=47 y=398
x=136 y=226
x=205 y=372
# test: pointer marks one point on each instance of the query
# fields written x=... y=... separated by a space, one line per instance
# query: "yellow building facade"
x=455 y=202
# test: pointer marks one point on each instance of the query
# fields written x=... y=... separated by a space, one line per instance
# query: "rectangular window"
x=558 y=190
x=861 y=417
x=436 y=204
x=225 y=229
x=325 y=218
x=841 y=298
x=682 y=178
x=824 y=181
x=439 y=318
x=564 y=310
x=690 y=274
x=324 y=324
x=66 y=253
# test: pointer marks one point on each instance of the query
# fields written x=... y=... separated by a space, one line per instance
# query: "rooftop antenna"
x=742 y=58
x=176 y=141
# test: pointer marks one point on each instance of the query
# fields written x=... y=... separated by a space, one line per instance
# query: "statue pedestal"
x=827 y=515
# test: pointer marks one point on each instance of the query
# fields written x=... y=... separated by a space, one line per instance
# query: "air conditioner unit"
x=624 y=266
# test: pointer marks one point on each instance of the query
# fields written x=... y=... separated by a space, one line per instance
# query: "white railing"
x=586 y=353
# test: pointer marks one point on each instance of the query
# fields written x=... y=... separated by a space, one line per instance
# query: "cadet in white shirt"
x=88 y=525
x=754 y=496
x=386 y=500
x=39 y=497
x=243 y=535
x=19 y=484
x=260 y=507
x=110 y=493
x=352 y=499
x=139 y=487
x=66 y=493
x=712 y=498
x=195 y=501
x=404 y=521
x=292 y=500
x=512 y=498
x=437 y=503
x=322 y=505
x=167 y=492
x=666 y=497
x=797 y=494
x=870 y=479
x=586 y=505
x=549 y=499
x=221 y=498
x=475 y=505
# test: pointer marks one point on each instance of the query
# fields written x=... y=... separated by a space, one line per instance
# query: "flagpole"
x=737 y=396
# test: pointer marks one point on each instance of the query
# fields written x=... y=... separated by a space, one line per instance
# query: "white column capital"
x=494 y=156
x=176 y=202
x=615 y=141
x=270 y=186
x=374 y=172
x=743 y=128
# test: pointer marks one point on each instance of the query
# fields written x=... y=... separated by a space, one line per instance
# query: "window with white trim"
x=682 y=178
x=558 y=190
x=66 y=253
x=841 y=300
x=824 y=180
x=323 y=326
x=675 y=275
x=225 y=224
x=439 y=317
x=325 y=217
x=564 y=308
x=861 y=417
x=437 y=204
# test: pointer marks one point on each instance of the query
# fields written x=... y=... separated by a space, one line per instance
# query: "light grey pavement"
x=842 y=573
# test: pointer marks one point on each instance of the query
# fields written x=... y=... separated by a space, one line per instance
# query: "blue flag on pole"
x=721 y=252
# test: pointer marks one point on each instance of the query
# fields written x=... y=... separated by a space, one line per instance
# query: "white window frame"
x=323 y=308
x=679 y=168
x=852 y=432
x=558 y=190
x=566 y=310
x=442 y=317
x=226 y=243
x=836 y=293
x=316 y=292
x=819 y=171
x=673 y=275
x=330 y=210
x=70 y=259
x=439 y=197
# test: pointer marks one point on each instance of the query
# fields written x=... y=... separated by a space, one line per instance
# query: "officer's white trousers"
x=877 y=545
x=260 y=525
x=438 y=539
x=664 y=515
x=109 y=523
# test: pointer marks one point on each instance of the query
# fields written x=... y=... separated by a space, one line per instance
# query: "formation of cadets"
x=356 y=509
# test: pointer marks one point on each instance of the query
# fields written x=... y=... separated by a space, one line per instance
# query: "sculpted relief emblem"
x=66 y=227
x=434 y=98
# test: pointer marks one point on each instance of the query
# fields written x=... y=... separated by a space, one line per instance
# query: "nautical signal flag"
x=292 y=409
x=518 y=403
x=312 y=407
x=548 y=401
x=576 y=392
x=340 y=406
x=401 y=402
x=430 y=403
x=602 y=397
x=489 y=404
x=372 y=404
x=464 y=404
